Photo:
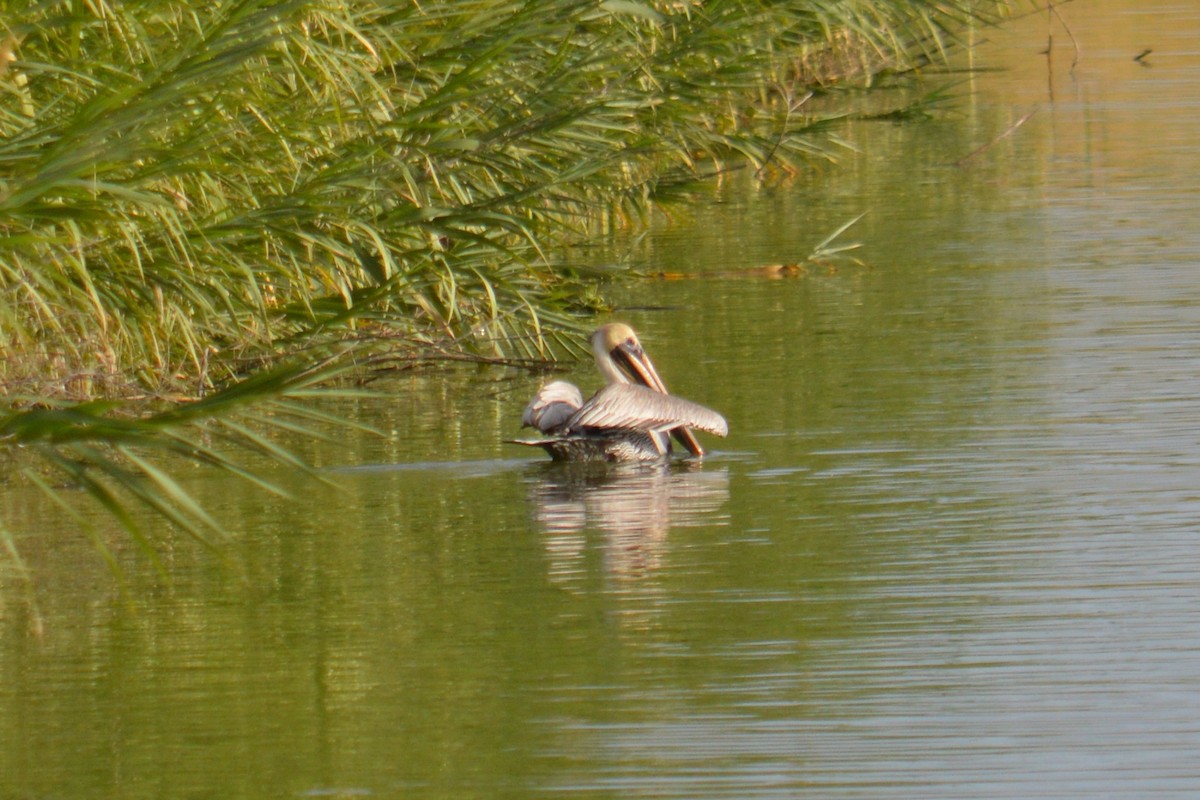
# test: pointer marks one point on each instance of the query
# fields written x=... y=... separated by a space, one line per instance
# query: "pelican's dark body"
x=611 y=446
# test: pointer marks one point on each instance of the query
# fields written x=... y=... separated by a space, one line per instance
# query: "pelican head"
x=621 y=359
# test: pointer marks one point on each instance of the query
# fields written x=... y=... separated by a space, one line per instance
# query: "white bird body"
x=631 y=419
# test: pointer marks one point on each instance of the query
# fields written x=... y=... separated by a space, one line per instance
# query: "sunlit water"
x=949 y=549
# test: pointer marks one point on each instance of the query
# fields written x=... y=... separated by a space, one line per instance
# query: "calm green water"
x=950 y=548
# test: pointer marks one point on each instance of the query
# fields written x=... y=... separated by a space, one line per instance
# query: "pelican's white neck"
x=605 y=363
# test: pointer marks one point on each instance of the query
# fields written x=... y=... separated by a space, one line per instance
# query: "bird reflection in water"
x=633 y=507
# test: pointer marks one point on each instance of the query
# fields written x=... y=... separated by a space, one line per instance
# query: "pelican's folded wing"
x=552 y=406
x=632 y=407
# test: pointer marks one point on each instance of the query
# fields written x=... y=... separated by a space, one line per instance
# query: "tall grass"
x=186 y=189
x=190 y=192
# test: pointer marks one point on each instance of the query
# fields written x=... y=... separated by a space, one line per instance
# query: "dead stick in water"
x=1008 y=132
x=1070 y=35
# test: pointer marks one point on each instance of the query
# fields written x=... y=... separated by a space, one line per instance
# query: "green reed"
x=185 y=192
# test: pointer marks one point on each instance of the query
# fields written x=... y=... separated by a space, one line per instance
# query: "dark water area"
x=948 y=550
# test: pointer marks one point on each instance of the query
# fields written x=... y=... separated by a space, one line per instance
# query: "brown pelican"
x=628 y=420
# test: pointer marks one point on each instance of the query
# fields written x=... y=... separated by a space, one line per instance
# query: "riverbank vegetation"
x=207 y=199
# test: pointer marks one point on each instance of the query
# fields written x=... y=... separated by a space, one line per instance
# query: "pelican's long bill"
x=631 y=359
x=629 y=419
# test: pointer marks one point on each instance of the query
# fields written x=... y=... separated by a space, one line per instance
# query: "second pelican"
x=631 y=419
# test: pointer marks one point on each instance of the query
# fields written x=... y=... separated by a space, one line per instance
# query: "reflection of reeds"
x=114 y=459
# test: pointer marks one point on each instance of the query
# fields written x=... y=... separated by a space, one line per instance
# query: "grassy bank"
x=188 y=193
